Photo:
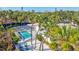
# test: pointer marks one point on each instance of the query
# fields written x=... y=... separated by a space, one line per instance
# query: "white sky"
x=39 y=3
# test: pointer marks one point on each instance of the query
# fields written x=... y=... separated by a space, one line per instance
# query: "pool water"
x=25 y=34
x=24 y=46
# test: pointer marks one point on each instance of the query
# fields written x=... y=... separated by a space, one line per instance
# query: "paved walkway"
x=45 y=47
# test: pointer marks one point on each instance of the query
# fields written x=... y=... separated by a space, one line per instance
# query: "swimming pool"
x=25 y=34
x=24 y=46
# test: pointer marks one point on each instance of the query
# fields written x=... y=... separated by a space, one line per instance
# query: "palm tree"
x=32 y=18
x=41 y=39
x=66 y=33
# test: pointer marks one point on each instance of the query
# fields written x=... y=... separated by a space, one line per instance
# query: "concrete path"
x=46 y=48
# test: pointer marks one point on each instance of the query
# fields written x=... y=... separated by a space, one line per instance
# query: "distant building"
x=66 y=22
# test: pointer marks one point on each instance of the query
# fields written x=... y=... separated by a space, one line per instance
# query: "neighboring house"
x=67 y=22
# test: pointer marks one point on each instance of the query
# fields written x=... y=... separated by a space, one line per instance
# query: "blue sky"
x=40 y=9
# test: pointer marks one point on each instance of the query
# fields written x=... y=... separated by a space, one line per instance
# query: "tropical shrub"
x=53 y=45
x=15 y=38
x=66 y=47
